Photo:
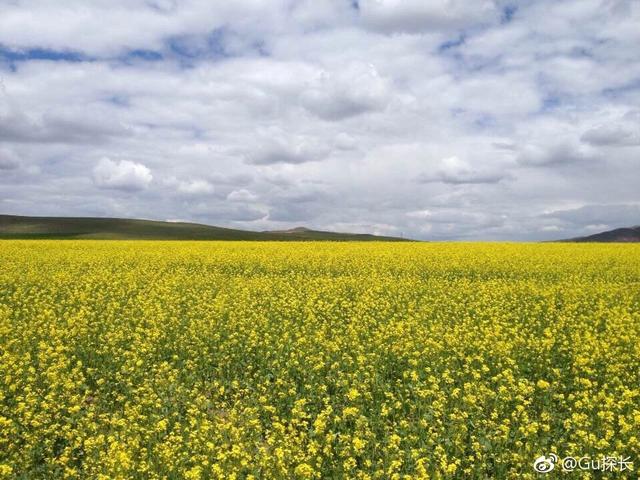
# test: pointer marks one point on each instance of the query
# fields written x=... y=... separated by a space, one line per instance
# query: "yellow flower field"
x=198 y=360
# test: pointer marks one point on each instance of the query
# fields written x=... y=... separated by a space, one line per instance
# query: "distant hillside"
x=13 y=226
x=302 y=233
x=631 y=234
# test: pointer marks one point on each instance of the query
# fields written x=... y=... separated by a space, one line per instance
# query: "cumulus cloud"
x=78 y=126
x=241 y=195
x=415 y=16
x=456 y=171
x=345 y=93
x=226 y=212
x=269 y=114
x=121 y=175
x=445 y=223
x=614 y=215
x=8 y=159
x=190 y=187
x=276 y=146
x=344 y=141
x=26 y=24
x=195 y=187
x=554 y=153
x=613 y=135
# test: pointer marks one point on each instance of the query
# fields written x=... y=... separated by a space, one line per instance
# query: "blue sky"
x=442 y=120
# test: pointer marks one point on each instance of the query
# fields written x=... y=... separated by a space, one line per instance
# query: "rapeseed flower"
x=223 y=360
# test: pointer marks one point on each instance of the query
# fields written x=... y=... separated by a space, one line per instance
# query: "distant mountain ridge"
x=631 y=234
x=22 y=227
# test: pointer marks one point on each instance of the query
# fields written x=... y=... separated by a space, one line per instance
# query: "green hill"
x=13 y=226
x=623 y=235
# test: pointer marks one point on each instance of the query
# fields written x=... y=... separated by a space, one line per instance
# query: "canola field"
x=216 y=360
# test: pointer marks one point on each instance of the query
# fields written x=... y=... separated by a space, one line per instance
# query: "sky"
x=438 y=120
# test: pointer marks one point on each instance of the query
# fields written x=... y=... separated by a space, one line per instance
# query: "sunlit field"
x=149 y=360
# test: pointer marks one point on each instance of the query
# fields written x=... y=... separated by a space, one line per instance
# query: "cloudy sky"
x=440 y=119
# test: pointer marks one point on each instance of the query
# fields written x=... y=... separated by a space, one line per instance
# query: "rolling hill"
x=13 y=226
x=631 y=234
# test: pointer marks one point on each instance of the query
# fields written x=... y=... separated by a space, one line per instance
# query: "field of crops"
x=145 y=360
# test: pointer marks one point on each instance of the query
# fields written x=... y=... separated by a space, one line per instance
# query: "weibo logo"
x=544 y=464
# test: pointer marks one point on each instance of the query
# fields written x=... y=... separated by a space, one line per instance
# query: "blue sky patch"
x=149 y=55
x=451 y=44
x=9 y=55
x=507 y=13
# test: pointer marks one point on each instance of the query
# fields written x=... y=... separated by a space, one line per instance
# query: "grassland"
x=248 y=360
x=20 y=227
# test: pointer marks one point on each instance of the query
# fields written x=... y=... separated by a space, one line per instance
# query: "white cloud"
x=613 y=135
x=65 y=125
x=241 y=195
x=416 y=16
x=600 y=227
x=8 y=159
x=194 y=187
x=620 y=215
x=344 y=141
x=270 y=114
x=28 y=24
x=456 y=171
x=121 y=175
x=348 y=92
x=276 y=146
x=419 y=214
x=554 y=152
